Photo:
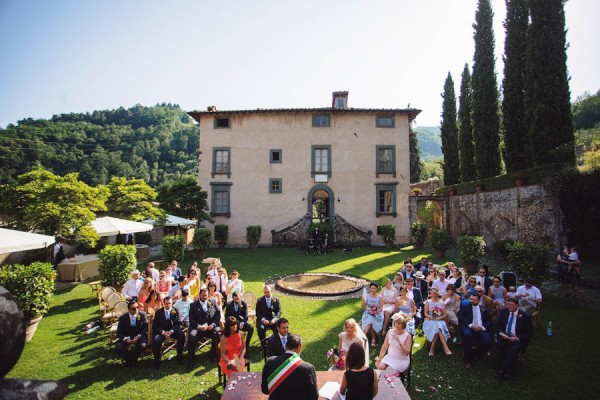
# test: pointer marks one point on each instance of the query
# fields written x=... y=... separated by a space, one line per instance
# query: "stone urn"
x=12 y=332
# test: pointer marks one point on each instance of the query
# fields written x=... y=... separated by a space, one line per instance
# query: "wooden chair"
x=535 y=316
x=250 y=299
x=406 y=374
x=96 y=286
x=103 y=298
x=111 y=302
x=119 y=309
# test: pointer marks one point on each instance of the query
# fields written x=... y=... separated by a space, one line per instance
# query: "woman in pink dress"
x=144 y=292
x=164 y=285
x=232 y=348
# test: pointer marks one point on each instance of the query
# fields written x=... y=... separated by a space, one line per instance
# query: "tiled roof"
x=412 y=112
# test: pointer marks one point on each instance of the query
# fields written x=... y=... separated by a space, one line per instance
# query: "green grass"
x=557 y=367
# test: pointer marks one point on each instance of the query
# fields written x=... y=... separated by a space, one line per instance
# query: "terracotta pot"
x=389 y=244
x=253 y=245
x=201 y=253
x=439 y=253
x=30 y=328
x=222 y=245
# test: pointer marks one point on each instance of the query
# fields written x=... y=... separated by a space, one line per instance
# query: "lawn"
x=558 y=367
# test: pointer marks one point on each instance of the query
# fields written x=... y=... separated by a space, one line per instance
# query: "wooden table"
x=243 y=391
x=79 y=269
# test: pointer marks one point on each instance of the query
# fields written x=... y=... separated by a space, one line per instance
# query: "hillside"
x=430 y=142
x=157 y=144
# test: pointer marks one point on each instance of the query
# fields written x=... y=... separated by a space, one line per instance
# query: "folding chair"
x=250 y=299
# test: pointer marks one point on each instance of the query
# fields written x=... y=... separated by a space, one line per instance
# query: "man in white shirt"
x=133 y=286
x=183 y=306
x=155 y=274
x=475 y=323
x=58 y=252
x=221 y=280
x=529 y=296
x=175 y=269
x=441 y=283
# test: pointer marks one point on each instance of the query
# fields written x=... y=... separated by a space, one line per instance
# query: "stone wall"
x=348 y=235
x=530 y=214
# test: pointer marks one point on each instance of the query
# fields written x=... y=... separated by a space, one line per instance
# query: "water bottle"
x=549 y=329
x=94 y=329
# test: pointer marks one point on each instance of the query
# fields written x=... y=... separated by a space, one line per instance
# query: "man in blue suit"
x=514 y=332
x=475 y=323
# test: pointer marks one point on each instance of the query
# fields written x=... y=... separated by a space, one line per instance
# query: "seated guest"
x=422 y=266
x=455 y=277
x=268 y=311
x=352 y=334
x=529 y=296
x=406 y=305
x=171 y=276
x=372 y=318
x=233 y=348
x=452 y=302
x=154 y=301
x=132 y=286
x=144 y=293
x=389 y=294
x=398 y=281
x=422 y=285
x=483 y=279
x=434 y=325
x=152 y=272
x=398 y=344
x=515 y=330
x=238 y=309
x=175 y=270
x=132 y=334
x=216 y=297
x=167 y=325
x=183 y=308
x=204 y=323
x=194 y=283
x=164 y=284
x=277 y=341
x=213 y=266
x=475 y=322
x=221 y=281
x=235 y=284
x=359 y=381
x=175 y=292
x=497 y=293
x=486 y=302
x=297 y=379
x=441 y=283
x=468 y=289
x=417 y=296
x=409 y=271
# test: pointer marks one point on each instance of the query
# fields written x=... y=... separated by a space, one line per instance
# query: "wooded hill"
x=157 y=144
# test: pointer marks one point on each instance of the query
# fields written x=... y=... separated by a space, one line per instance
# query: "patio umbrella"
x=172 y=220
x=11 y=241
x=108 y=226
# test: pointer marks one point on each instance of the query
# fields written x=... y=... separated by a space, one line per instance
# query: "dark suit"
x=274 y=346
x=242 y=316
x=268 y=313
x=125 y=330
x=465 y=319
x=418 y=299
x=487 y=282
x=507 y=351
x=200 y=317
x=301 y=384
x=163 y=324
x=423 y=286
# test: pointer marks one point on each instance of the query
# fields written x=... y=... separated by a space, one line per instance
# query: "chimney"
x=340 y=100
x=211 y=108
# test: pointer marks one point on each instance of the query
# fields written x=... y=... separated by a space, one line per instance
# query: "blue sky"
x=81 y=55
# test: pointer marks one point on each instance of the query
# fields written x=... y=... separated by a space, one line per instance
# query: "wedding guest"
x=529 y=296
x=183 y=306
x=268 y=311
x=234 y=285
x=175 y=292
x=398 y=344
x=352 y=334
x=164 y=284
x=154 y=301
x=372 y=318
x=175 y=269
x=194 y=283
x=167 y=325
x=233 y=348
x=144 y=293
x=407 y=306
x=434 y=325
x=359 y=381
x=398 y=280
x=132 y=334
x=498 y=294
x=389 y=295
x=515 y=331
x=132 y=286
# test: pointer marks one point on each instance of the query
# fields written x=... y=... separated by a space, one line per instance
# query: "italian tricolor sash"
x=283 y=371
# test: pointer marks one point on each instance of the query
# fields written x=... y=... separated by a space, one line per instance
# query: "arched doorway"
x=320 y=203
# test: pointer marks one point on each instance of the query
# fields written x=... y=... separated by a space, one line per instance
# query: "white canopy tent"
x=172 y=220
x=108 y=226
x=11 y=241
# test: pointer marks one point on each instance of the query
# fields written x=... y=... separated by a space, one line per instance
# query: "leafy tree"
x=586 y=111
x=547 y=101
x=433 y=169
x=185 y=198
x=132 y=199
x=54 y=205
x=517 y=142
x=466 y=148
x=486 y=121
x=415 y=157
x=450 y=134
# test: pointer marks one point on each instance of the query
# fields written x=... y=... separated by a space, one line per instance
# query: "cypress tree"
x=450 y=134
x=415 y=157
x=466 y=148
x=548 y=104
x=517 y=143
x=486 y=121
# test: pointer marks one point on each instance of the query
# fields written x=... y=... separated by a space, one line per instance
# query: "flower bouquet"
x=337 y=358
x=373 y=309
x=437 y=313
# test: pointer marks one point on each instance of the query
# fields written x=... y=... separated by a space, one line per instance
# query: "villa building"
x=285 y=168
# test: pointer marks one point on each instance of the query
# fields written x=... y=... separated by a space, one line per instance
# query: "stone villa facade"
x=283 y=168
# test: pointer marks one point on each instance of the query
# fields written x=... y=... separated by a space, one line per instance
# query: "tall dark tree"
x=548 y=106
x=415 y=157
x=486 y=121
x=517 y=143
x=184 y=198
x=466 y=148
x=450 y=134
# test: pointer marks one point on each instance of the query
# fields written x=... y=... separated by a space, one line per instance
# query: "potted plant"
x=253 y=233
x=32 y=287
x=201 y=241
x=388 y=233
x=471 y=249
x=419 y=234
x=116 y=264
x=416 y=191
x=221 y=235
x=440 y=240
x=172 y=247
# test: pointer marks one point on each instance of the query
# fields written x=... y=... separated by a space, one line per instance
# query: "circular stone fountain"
x=319 y=285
